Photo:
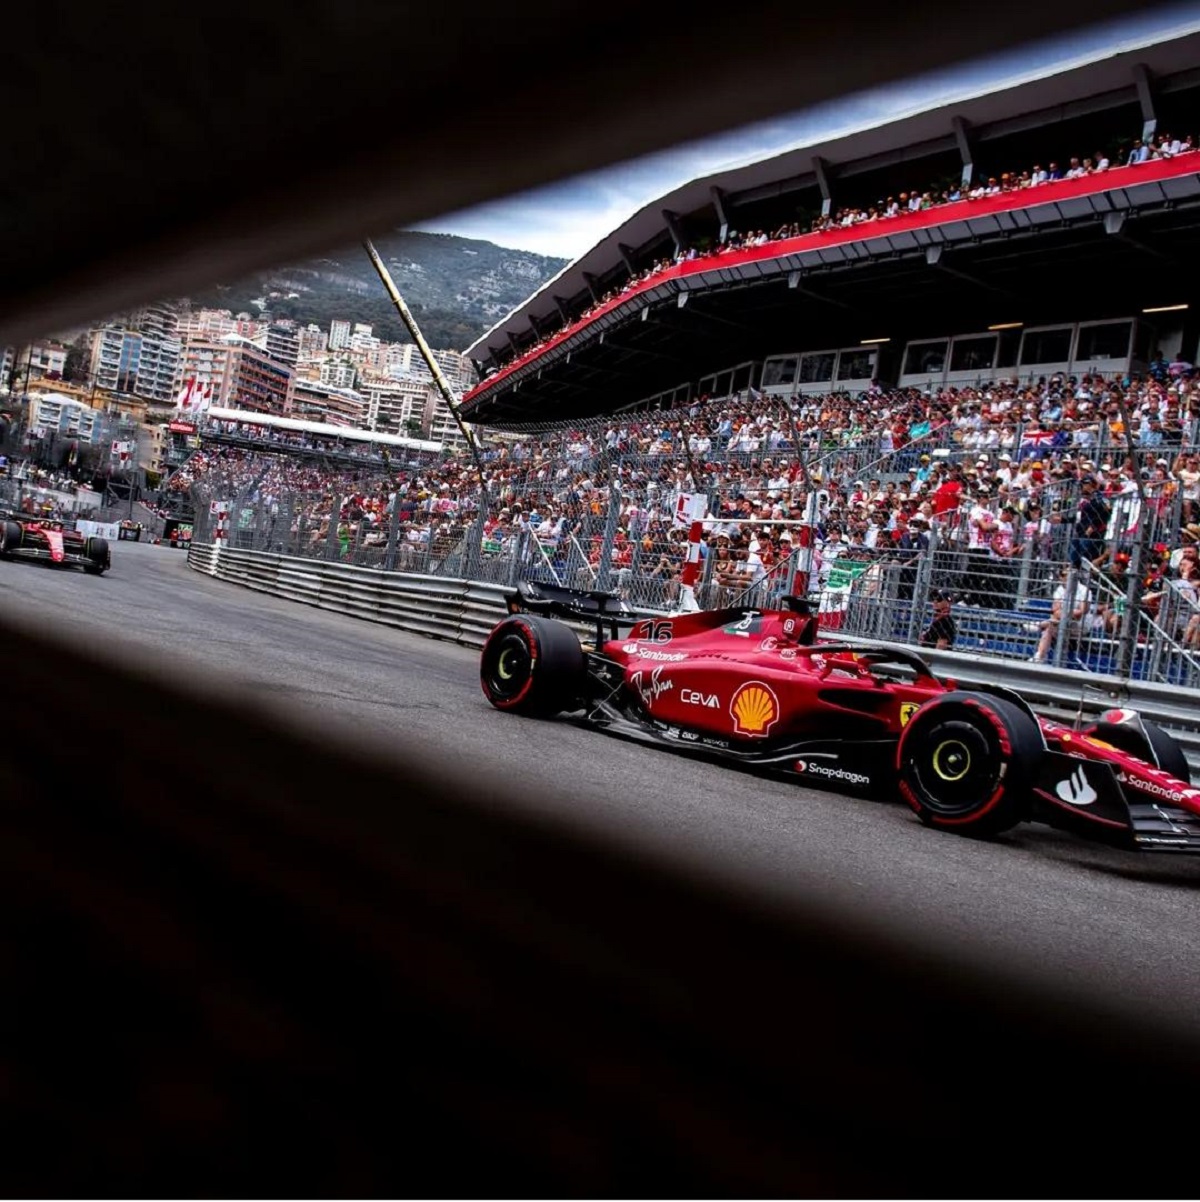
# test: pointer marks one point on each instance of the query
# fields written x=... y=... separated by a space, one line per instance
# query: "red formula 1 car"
x=51 y=542
x=755 y=687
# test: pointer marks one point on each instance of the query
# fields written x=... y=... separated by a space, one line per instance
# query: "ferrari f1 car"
x=757 y=687
x=53 y=543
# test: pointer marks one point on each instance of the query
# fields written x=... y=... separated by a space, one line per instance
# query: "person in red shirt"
x=948 y=495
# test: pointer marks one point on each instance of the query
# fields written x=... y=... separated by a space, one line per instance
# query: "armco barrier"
x=464 y=611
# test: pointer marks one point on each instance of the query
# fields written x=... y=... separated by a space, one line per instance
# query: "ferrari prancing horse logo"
x=907 y=709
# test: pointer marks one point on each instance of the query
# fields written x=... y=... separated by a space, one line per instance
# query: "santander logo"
x=1076 y=790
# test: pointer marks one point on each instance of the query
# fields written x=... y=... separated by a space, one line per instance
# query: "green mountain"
x=455 y=287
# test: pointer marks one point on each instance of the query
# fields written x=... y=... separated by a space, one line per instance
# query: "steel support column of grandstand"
x=1145 y=94
x=963 y=138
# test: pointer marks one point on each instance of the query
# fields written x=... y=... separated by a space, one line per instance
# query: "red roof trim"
x=1112 y=180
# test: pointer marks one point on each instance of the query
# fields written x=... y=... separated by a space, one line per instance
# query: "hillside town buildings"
x=143 y=363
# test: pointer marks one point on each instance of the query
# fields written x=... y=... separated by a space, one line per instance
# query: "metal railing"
x=607 y=540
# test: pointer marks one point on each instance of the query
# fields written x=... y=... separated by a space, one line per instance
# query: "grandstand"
x=941 y=365
x=788 y=273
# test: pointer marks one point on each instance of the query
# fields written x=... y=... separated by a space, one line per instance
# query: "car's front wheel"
x=98 y=556
x=967 y=763
x=533 y=666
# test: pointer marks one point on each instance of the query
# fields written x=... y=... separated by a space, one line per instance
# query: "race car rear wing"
x=563 y=602
x=558 y=601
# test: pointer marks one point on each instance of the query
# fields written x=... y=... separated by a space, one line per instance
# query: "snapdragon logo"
x=828 y=772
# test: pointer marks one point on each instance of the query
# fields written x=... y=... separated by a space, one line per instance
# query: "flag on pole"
x=184 y=399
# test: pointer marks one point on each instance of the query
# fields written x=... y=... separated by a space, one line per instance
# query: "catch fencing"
x=594 y=507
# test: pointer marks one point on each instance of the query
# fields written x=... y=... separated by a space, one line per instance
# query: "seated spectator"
x=942 y=630
x=1076 y=609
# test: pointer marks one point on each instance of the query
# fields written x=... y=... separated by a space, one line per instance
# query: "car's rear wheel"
x=98 y=556
x=10 y=537
x=967 y=763
x=533 y=666
x=1148 y=742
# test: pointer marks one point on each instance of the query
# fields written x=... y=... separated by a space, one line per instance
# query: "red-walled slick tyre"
x=967 y=763
x=533 y=666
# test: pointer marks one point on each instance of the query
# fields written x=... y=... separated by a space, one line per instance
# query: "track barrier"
x=464 y=611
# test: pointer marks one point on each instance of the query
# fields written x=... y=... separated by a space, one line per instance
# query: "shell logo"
x=754 y=709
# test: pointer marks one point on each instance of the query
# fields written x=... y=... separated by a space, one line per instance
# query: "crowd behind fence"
x=998 y=500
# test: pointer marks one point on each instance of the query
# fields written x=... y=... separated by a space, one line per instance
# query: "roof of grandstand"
x=1041 y=264
x=250 y=417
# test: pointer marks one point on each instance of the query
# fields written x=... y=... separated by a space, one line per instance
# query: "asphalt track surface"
x=1094 y=927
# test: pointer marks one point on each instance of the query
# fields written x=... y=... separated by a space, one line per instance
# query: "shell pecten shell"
x=754 y=709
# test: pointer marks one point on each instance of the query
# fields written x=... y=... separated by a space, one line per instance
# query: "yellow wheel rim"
x=951 y=760
x=504 y=665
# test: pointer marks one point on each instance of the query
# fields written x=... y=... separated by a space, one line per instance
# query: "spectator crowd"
x=1064 y=470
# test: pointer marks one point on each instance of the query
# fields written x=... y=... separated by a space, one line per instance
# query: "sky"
x=568 y=218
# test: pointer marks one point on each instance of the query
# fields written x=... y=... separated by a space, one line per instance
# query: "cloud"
x=568 y=218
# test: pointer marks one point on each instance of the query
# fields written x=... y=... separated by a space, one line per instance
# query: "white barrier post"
x=693 y=509
x=220 y=537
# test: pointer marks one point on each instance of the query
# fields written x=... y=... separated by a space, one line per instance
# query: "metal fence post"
x=922 y=587
x=261 y=537
x=520 y=547
x=389 y=553
x=1061 y=635
x=283 y=523
x=332 y=534
x=610 y=533
x=474 y=543
x=1024 y=569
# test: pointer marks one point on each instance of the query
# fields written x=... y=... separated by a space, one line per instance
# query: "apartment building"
x=339 y=373
x=316 y=402
x=143 y=363
x=206 y=325
x=56 y=413
x=313 y=341
x=396 y=406
x=242 y=374
x=280 y=341
x=339 y=335
x=405 y=359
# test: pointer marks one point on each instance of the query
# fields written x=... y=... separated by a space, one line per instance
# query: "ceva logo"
x=1076 y=790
